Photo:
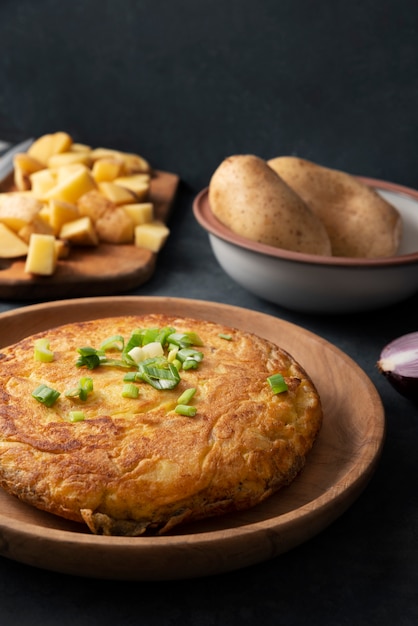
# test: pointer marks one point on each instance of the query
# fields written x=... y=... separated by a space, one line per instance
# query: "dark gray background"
x=187 y=83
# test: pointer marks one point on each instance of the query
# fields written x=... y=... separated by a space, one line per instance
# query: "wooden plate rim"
x=334 y=500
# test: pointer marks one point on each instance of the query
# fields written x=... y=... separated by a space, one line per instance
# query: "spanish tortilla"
x=135 y=466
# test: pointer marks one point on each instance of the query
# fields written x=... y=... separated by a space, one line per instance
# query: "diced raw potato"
x=133 y=163
x=140 y=213
x=62 y=249
x=24 y=166
x=107 y=169
x=94 y=204
x=47 y=145
x=115 y=226
x=11 y=246
x=68 y=158
x=117 y=194
x=44 y=214
x=42 y=182
x=151 y=236
x=60 y=213
x=37 y=225
x=41 y=258
x=16 y=211
x=4 y=197
x=79 y=147
x=80 y=232
x=105 y=153
x=65 y=171
x=72 y=187
x=138 y=183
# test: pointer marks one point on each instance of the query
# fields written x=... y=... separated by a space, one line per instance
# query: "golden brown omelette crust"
x=135 y=466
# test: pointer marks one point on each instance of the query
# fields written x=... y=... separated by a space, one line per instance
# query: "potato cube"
x=68 y=158
x=65 y=171
x=11 y=245
x=135 y=163
x=62 y=248
x=24 y=165
x=138 y=183
x=41 y=258
x=79 y=147
x=47 y=145
x=60 y=213
x=37 y=225
x=151 y=236
x=41 y=182
x=107 y=169
x=79 y=232
x=94 y=204
x=115 y=226
x=70 y=189
x=140 y=213
x=117 y=194
x=16 y=211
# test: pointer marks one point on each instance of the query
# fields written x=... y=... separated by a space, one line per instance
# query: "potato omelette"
x=136 y=424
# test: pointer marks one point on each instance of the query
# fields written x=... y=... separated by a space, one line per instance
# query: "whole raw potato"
x=359 y=222
x=248 y=197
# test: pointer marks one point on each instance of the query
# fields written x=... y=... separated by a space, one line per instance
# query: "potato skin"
x=359 y=222
x=250 y=198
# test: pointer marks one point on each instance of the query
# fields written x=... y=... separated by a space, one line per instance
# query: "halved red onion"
x=399 y=363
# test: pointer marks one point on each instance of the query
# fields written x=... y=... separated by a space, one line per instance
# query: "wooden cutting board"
x=105 y=270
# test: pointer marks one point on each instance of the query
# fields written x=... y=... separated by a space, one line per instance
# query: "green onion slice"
x=76 y=416
x=189 y=353
x=46 y=395
x=89 y=357
x=130 y=390
x=277 y=383
x=185 y=409
x=159 y=373
x=85 y=387
x=186 y=396
x=224 y=336
x=115 y=342
x=42 y=352
x=184 y=340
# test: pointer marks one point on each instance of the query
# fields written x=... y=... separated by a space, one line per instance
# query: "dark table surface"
x=187 y=83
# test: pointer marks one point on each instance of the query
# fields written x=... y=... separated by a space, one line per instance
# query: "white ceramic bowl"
x=320 y=284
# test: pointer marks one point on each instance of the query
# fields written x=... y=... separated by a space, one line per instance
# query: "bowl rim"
x=207 y=220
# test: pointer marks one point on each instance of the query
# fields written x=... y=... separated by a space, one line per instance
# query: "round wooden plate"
x=337 y=470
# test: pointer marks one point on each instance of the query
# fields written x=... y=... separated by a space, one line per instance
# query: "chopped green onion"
x=189 y=353
x=277 y=383
x=185 y=409
x=190 y=364
x=46 y=395
x=42 y=352
x=159 y=373
x=163 y=335
x=85 y=387
x=130 y=377
x=115 y=342
x=223 y=336
x=186 y=396
x=90 y=357
x=130 y=391
x=184 y=340
x=172 y=354
x=76 y=416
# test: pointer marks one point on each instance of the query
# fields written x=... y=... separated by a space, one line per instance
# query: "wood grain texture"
x=105 y=270
x=338 y=468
